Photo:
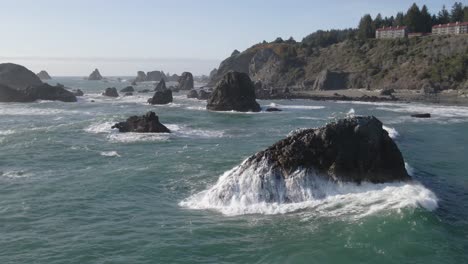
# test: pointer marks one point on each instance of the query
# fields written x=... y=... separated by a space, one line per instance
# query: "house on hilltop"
x=450 y=29
x=391 y=32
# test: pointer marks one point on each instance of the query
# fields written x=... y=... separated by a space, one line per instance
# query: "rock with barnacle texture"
x=355 y=149
x=148 y=123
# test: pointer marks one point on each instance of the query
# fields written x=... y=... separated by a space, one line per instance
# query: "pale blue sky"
x=122 y=36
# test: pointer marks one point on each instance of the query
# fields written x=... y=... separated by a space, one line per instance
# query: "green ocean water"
x=74 y=191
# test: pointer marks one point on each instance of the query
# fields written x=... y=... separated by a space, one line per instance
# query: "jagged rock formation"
x=95 y=76
x=162 y=95
x=141 y=77
x=186 y=81
x=111 y=92
x=155 y=76
x=43 y=75
x=234 y=92
x=18 y=84
x=149 y=123
x=355 y=149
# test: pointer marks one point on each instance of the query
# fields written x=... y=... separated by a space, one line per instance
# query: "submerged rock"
x=186 y=81
x=355 y=149
x=43 y=75
x=95 y=76
x=148 y=123
x=111 y=92
x=127 y=89
x=192 y=94
x=273 y=109
x=234 y=92
x=78 y=92
x=425 y=115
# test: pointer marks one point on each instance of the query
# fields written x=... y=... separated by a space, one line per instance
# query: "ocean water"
x=72 y=190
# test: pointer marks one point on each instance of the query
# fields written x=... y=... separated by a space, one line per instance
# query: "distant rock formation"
x=18 y=84
x=331 y=80
x=355 y=149
x=127 y=89
x=234 y=92
x=162 y=95
x=43 y=75
x=200 y=94
x=213 y=73
x=141 y=77
x=95 y=76
x=186 y=81
x=192 y=94
x=149 y=123
x=111 y=92
x=155 y=76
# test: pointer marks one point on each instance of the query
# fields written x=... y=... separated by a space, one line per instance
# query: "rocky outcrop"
x=273 y=109
x=128 y=89
x=155 y=76
x=424 y=115
x=95 y=76
x=43 y=75
x=17 y=77
x=355 y=149
x=161 y=86
x=149 y=123
x=203 y=95
x=213 y=73
x=141 y=77
x=234 y=92
x=331 y=80
x=111 y=92
x=186 y=81
x=162 y=95
x=18 y=84
x=235 y=53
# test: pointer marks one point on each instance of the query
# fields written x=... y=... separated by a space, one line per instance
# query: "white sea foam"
x=110 y=154
x=304 y=107
x=351 y=113
x=15 y=174
x=392 y=132
x=6 y=132
x=437 y=111
x=257 y=189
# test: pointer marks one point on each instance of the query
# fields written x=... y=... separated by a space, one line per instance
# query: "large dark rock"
x=149 y=123
x=17 y=77
x=127 y=89
x=423 y=115
x=203 y=95
x=95 y=76
x=111 y=92
x=273 y=109
x=161 y=86
x=331 y=80
x=186 y=81
x=43 y=75
x=8 y=94
x=234 y=92
x=18 y=84
x=355 y=149
x=141 y=77
x=161 y=97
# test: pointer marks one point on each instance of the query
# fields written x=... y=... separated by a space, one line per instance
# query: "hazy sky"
x=72 y=37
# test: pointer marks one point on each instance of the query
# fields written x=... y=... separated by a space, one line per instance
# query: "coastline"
x=448 y=97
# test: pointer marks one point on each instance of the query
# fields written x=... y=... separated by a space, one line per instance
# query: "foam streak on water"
x=257 y=189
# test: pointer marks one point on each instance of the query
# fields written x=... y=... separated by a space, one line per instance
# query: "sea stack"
x=43 y=75
x=186 y=81
x=18 y=84
x=149 y=123
x=234 y=92
x=111 y=92
x=162 y=95
x=355 y=149
x=95 y=76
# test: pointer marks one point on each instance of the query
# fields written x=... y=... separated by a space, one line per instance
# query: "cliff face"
x=441 y=62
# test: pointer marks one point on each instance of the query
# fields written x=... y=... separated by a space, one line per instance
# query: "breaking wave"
x=392 y=132
x=257 y=189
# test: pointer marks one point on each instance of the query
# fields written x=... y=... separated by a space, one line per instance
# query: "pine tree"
x=378 y=21
x=366 y=28
x=457 y=12
x=426 y=20
x=443 y=17
x=399 y=19
x=413 y=19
